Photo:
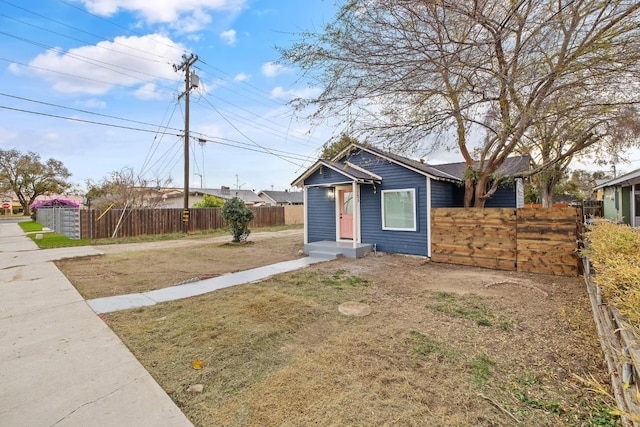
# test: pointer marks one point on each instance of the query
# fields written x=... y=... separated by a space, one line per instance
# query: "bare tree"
x=468 y=75
x=124 y=188
x=29 y=177
x=585 y=131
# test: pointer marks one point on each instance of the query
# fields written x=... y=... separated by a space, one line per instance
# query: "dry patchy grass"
x=142 y=270
x=441 y=347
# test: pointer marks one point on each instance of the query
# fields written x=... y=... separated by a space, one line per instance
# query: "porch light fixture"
x=331 y=193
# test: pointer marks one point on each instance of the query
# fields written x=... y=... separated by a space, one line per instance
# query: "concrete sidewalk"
x=60 y=365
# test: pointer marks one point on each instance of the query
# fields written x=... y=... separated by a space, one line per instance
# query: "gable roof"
x=454 y=172
x=283 y=196
x=625 y=180
x=512 y=166
x=346 y=169
x=415 y=165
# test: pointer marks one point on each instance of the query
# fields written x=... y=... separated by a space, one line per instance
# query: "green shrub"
x=614 y=251
x=238 y=216
x=209 y=201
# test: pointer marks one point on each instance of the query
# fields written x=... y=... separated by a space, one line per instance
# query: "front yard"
x=444 y=346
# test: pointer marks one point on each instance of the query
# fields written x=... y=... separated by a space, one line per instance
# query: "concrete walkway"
x=123 y=302
x=60 y=365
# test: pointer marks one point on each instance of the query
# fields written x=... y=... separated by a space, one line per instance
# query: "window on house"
x=399 y=209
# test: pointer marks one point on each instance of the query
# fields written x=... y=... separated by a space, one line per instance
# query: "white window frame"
x=399 y=190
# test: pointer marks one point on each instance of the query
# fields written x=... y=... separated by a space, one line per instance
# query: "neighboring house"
x=15 y=208
x=365 y=196
x=282 y=198
x=621 y=198
x=175 y=199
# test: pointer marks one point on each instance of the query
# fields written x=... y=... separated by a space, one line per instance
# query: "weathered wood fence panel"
x=547 y=240
x=531 y=240
x=96 y=224
x=476 y=237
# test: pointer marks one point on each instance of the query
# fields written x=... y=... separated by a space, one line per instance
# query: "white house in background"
x=175 y=199
x=282 y=198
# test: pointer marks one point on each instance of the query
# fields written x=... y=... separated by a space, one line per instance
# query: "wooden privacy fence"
x=96 y=224
x=293 y=214
x=531 y=240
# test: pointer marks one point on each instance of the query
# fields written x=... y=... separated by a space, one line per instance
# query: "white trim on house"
x=519 y=193
x=336 y=198
x=305 y=215
x=356 y=213
x=429 y=217
x=415 y=208
x=363 y=170
x=391 y=160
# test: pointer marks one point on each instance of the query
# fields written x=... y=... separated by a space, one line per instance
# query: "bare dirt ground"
x=443 y=345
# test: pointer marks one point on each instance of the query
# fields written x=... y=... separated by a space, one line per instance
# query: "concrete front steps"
x=332 y=250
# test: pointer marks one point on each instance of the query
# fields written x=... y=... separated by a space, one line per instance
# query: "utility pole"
x=185 y=66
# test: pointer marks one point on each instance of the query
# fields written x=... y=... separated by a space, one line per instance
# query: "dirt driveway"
x=443 y=345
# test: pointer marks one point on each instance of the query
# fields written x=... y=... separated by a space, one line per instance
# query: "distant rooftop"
x=284 y=197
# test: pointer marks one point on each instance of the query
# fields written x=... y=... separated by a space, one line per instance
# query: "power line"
x=83 y=111
x=82 y=58
x=241 y=133
x=115 y=24
x=75 y=119
x=99 y=37
x=75 y=76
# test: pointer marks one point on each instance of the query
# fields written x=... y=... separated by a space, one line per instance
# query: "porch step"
x=346 y=249
x=325 y=254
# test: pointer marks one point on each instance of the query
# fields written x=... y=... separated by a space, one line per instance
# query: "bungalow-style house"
x=175 y=199
x=281 y=198
x=621 y=198
x=368 y=199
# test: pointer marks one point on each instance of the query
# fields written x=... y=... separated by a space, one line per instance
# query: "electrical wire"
x=76 y=29
x=75 y=76
x=86 y=59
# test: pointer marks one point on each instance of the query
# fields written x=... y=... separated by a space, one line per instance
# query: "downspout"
x=429 y=217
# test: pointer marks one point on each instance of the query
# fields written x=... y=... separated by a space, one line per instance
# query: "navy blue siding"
x=504 y=197
x=451 y=195
x=393 y=177
x=446 y=194
x=321 y=215
x=328 y=176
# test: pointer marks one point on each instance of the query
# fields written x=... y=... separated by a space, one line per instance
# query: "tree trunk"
x=546 y=193
x=468 y=192
x=481 y=191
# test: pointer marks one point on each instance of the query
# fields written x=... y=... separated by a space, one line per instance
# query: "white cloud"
x=280 y=93
x=192 y=22
x=273 y=69
x=242 y=77
x=229 y=37
x=163 y=11
x=148 y=92
x=94 y=70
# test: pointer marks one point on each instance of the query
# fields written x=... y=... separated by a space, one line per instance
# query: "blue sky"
x=111 y=62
